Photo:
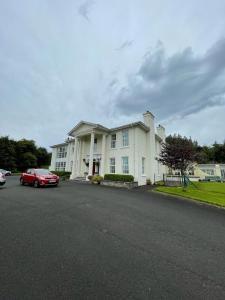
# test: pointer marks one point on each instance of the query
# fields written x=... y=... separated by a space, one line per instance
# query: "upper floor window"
x=125 y=165
x=61 y=152
x=112 y=165
x=113 y=141
x=125 y=138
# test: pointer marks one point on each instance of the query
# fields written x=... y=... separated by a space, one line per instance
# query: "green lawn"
x=210 y=192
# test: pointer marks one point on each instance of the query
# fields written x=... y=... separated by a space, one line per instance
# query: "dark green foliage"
x=178 y=153
x=7 y=153
x=119 y=177
x=211 y=154
x=62 y=174
x=22 y=154
x=43 y=157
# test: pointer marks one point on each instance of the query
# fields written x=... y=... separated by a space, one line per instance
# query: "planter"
x=127 y=185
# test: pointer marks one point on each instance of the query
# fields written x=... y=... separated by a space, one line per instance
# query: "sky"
x=108 y=62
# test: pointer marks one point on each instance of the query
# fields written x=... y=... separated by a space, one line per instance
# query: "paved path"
x=88 y=242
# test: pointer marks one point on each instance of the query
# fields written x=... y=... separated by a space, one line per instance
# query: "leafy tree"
x=43 y=157
x=178 y=153
x=22 y=154
x=28 y=160
x=7 y=153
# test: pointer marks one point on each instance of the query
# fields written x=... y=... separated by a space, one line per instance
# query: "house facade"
x=129 y=149
x=204 y=171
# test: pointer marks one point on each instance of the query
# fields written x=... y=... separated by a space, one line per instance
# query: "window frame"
x=111 y=166
x=113 y=141
x=125 y=137
x=125 y=166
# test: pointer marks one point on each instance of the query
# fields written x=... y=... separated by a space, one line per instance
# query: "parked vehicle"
x=2 y=179
x=5 y=172
x=39 y=177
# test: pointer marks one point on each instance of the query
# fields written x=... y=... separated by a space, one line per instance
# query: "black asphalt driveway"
x=82 y=241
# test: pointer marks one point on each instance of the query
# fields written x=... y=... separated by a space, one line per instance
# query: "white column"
x=73 y=174
x=90 y=169
x=79 y=157
x=103 y=155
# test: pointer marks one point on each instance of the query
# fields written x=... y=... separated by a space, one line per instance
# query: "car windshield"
x=43 y=172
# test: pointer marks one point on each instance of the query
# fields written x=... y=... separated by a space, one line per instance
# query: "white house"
x=129 y=149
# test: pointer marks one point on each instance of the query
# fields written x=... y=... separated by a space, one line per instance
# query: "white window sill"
x=122 y=147
x=143 y=175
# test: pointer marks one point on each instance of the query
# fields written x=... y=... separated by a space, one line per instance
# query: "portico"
x=89 y=152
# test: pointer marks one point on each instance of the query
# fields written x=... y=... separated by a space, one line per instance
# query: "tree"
x=178 y=153
x=22 y=154
x=7 y=153
x=43 y=157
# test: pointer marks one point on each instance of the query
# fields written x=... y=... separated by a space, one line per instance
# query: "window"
x=61 y=152
x=125 y=165
x=125 y=138
x=208 y=171
x=113 y=141
x=95 y=145
x=112 y=165
x=60 y=166
x=223 y=173
x=143 y=165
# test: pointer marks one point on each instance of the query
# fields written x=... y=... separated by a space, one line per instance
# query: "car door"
x=32 y=176
x=26 y=176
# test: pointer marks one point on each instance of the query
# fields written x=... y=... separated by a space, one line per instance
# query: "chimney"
x=161 y=132
x=149 y=119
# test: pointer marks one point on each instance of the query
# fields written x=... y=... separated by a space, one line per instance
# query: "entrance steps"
x=81 y=179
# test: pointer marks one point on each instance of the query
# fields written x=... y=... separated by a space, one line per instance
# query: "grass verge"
x=209 y=192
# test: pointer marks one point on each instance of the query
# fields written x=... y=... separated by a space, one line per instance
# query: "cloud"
x=85 y=8
x=181 y=84
x=125 y=45
x=113 y=83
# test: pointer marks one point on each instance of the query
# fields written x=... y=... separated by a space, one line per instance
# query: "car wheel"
x=21 y=181
x=36 y=184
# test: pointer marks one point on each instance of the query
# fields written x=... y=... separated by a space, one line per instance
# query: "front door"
x=93 y=169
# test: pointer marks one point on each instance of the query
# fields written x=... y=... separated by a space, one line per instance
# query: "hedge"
x=62 y=174
x=119 y=177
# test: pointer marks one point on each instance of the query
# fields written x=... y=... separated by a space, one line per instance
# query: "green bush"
x=119 y=177
x=160 y=183
x=62 y=174
x=96 y=179
x=148 y=182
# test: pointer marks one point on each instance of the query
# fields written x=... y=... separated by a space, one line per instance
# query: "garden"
x=209 y=192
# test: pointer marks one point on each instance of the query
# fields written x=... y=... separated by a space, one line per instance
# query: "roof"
x=59 y=145
x=140 y=124
x=98 y=126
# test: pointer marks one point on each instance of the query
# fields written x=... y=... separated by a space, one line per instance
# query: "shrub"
x=160 y=183
x=119 y=177
x=90 y=177
x=148 y=182
x=62 y=174
x=96 y=179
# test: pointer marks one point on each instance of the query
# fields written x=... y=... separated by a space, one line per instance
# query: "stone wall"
x=128 y=185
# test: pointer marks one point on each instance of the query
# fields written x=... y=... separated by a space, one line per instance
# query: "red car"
x=39 y=177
